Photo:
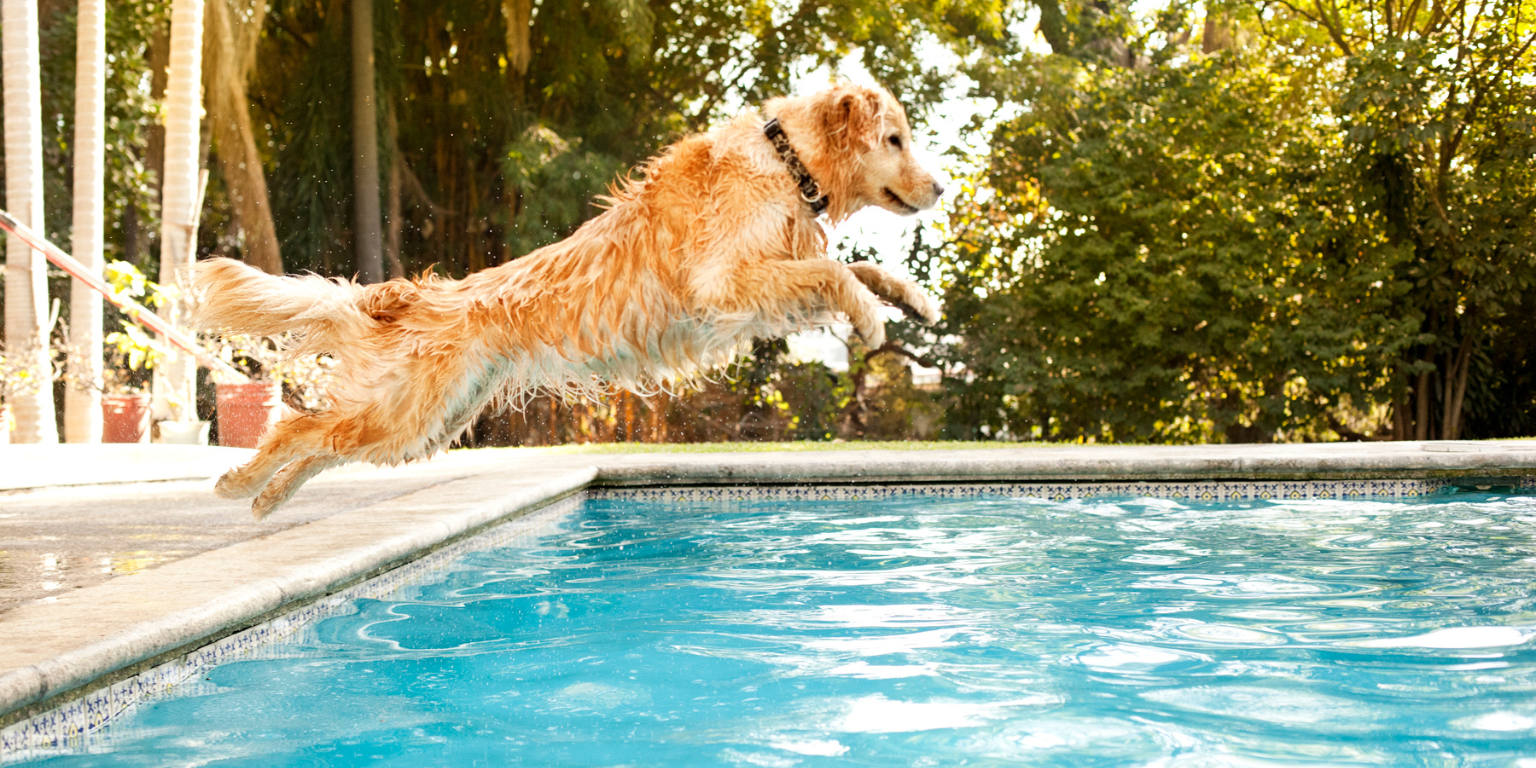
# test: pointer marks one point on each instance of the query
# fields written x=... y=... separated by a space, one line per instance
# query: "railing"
x=134 y=310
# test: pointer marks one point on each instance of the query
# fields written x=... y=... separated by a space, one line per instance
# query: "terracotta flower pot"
x=125 y=418
x=246 y=409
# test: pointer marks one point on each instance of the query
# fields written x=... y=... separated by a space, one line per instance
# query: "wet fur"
x=711 y=248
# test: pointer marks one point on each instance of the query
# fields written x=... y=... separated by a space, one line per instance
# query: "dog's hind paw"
x=233 y=485
x=261 y=508
x=275 y=495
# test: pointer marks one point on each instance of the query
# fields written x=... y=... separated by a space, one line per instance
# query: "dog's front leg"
x=776 y=288
x=902 y=294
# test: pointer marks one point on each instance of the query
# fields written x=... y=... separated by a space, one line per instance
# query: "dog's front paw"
x=919 y=306
x=867 y=318
x=872 y=332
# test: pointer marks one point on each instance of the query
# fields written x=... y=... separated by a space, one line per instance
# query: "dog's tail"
x=232 y=298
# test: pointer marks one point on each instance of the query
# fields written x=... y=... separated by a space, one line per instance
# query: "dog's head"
x=856 y=142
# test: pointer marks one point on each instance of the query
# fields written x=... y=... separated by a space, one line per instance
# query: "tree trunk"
x=393 y=212
x=1457 y=393
x=82 y=399
x=657 y=403
x=396 y=224
x=365 y=147
x=176 y=376
x=1053 y=27
x=26 y=284
x=154 y=138
x=1400 y=427
x=518 y=15
x=234 y=29
x=1421 y=408
x=1217 y=35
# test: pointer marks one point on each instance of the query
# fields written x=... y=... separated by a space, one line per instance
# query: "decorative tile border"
x=76 y=726
x=1181 y=491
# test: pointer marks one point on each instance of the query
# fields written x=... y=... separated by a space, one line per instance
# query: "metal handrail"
x=134 y=310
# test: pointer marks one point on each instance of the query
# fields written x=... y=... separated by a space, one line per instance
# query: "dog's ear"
x=852 y=118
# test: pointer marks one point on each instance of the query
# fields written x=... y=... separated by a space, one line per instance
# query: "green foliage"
x=1262 y=243
x=556 y=181
x=302 y=89
x=814 y=397
x=131 y=351
x=130 y=189
x=1441 y=125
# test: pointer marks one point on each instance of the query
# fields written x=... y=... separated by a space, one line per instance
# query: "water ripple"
x=920 y=631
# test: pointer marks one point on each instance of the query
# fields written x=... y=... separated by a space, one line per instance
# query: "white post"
x=26 y=283
x=176 y=376
x=82 y=398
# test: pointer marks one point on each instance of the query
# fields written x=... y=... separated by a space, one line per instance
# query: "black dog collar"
x=809 y=191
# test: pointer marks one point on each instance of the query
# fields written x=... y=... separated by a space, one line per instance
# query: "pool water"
x=915 y=632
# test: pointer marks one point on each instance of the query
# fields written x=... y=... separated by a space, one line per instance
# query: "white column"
x=176 y=377
x=26 y=285
x=82 y=398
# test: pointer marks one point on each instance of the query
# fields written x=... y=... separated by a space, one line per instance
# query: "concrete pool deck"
x=98 y=581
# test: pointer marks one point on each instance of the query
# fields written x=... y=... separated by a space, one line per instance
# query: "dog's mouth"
x=902 y=206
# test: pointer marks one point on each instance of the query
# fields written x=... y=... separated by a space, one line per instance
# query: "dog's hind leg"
x=295 y=436
x=288 y=479
x=246 y=480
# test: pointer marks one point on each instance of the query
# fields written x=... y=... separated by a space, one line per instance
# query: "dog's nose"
x=938 y=189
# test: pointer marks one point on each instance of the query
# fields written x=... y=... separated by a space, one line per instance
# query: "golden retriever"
x=716 y=244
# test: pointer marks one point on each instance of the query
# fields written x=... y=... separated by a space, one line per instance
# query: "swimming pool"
x=912 y=631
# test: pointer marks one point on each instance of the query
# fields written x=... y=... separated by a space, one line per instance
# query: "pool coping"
x=51 y=466
x=52 y=653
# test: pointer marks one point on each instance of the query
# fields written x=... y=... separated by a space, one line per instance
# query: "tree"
x=129 y=183
x=1438 y=106
x=175 y=384
x=1245 y=245
x=229 y=51
x=82 y=400
x=26 y=291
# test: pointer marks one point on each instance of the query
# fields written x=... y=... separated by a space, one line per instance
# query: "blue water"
x=918 y=632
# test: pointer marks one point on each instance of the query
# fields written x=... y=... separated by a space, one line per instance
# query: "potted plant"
x=132 y=354
x=125 y=401
x=246 y=409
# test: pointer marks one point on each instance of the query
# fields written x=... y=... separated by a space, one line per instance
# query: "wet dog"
x=719 y=242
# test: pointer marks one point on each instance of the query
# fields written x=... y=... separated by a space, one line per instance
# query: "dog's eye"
x=895 y=141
